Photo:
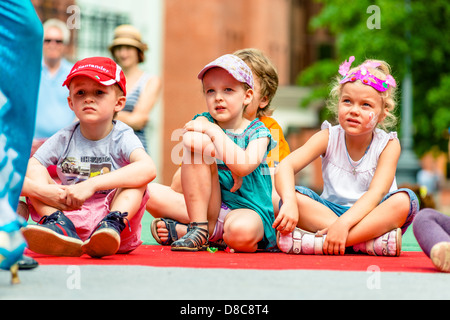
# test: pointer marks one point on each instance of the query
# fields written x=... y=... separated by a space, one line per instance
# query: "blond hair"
x=58 y=24
x=266 y=72
x=388 y=97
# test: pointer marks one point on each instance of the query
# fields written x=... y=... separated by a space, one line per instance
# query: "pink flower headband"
x=365 y=76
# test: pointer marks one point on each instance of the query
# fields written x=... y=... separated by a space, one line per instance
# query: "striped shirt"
x=132 y=99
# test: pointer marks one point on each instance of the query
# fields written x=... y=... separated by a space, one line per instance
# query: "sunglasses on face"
x=57 y=41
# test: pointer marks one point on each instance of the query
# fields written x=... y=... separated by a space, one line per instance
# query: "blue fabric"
x=20 y=64
x=132 y=100
x=53 y=112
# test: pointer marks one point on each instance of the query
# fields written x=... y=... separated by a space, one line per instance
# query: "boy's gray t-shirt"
x=78 y=158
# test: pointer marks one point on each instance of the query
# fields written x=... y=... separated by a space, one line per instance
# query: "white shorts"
x=218 y=229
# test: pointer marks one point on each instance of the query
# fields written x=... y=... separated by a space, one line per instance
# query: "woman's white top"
x=345 y=180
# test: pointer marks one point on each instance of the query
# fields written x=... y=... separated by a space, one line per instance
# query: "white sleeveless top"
x=345 y=183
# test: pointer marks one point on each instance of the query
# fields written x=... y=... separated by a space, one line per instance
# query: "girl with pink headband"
x=360 y=209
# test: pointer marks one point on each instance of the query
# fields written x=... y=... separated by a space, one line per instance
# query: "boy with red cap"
x=103 y=168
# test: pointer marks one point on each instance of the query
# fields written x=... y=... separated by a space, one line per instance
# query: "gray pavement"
x=71 y=282
x=156 y=283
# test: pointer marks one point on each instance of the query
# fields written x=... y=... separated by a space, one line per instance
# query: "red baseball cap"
x=101 y=69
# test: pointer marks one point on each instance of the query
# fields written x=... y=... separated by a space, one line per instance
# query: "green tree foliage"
x=416 y=29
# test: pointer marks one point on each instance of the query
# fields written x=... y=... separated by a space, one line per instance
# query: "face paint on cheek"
x=372 y=120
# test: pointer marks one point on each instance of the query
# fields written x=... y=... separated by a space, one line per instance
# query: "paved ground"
x=154 y=283
x=136 y=282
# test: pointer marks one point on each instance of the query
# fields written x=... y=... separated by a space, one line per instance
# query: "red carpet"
x=162 y=256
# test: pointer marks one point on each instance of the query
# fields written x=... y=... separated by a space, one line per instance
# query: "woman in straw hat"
x=143 y=89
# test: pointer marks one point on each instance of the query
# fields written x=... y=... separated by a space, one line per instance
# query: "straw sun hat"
x=129 y=36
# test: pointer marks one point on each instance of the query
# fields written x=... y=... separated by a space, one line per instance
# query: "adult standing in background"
x=53 y=112
x=143 y=89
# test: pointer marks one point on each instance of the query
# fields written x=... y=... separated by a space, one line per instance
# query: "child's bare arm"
x=285 y=172
x=206 y=137
x=37 y=173
x=139 y=172
x=51 y=194
x=39 y=185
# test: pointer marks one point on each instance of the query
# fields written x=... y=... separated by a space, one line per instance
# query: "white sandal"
x=388 y=244
x=301 y=242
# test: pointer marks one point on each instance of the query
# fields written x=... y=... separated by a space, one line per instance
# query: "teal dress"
x=256 y=190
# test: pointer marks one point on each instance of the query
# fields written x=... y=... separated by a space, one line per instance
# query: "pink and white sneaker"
x=300 y=242
x=388 y=244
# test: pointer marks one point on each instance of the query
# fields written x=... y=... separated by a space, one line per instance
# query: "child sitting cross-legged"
x=103 y=168
x=360 y=206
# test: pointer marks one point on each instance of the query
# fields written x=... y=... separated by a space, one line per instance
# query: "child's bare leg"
x=313 y=215
x=196 y=182
x=128 y=200
x=164 y=202
x=243 y=229
x=41 y=208
x=200 y=183
x=55 y=234
x=169 y=202
x=215 y=200
x=201 y=187
x=107 y=236
x=387 y=216
x=181 y=228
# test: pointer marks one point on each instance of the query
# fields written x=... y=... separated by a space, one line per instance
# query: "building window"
x=97 y=31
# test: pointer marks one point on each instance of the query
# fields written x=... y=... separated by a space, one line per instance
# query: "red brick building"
x=193 y=33
x=197 y=31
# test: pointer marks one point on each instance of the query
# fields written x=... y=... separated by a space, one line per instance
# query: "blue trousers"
x=20 y=65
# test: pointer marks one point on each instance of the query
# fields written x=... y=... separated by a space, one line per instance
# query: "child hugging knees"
x=167 y=203
x=360 y=208
x=224 y=164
